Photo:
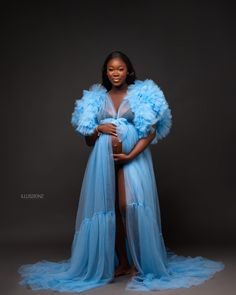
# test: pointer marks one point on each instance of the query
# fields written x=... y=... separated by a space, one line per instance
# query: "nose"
x=115 y=73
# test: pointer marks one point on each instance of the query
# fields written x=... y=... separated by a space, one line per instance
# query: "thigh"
x=120 y=181
x=121 y=189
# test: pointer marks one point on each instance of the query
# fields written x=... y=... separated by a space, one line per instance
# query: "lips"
x=115 y=80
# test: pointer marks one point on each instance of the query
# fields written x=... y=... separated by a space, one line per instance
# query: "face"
x=117 y=71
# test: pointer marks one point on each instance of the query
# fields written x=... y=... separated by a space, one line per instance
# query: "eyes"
x=111 y=69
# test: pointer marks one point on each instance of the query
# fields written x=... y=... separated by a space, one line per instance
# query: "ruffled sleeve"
x=84 y=116
x=150 y=107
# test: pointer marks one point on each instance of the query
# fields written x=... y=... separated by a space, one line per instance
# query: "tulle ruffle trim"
x=91 y=263
x=150 y=107
x=146 y=99
x=84 y=116
x=90 y=267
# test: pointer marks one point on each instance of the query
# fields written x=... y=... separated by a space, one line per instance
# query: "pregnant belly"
x=127 y=133
x=116 y=145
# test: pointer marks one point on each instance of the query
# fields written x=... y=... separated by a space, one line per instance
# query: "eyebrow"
x=113 y=67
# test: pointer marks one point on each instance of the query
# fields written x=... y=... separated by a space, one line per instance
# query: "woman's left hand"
x=121 y=158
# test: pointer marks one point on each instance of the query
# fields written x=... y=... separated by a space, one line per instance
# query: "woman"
x=118 y=226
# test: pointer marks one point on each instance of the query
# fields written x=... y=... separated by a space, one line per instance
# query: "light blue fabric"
x=93 y=257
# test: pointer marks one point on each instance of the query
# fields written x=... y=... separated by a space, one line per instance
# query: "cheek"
x=108 y=74
x=124 y=74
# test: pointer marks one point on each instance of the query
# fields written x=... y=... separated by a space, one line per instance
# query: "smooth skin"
x=116 y=73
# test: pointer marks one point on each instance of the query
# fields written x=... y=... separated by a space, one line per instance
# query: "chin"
x=118 y=83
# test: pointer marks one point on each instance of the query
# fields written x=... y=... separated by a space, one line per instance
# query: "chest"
x=121 y=109
x=116 y=100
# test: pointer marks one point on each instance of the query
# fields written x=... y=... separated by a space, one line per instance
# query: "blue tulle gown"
x=93 y=257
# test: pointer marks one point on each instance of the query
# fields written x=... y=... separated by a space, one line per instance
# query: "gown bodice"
x=123 y=119
x=108 y=111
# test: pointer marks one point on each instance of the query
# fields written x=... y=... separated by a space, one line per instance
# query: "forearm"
x=141 y=145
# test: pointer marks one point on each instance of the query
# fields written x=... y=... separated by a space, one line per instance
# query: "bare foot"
x=133 y=270
x=122 y=270
x=125 y=270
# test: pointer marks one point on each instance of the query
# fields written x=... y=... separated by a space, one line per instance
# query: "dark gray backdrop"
x=53 y=50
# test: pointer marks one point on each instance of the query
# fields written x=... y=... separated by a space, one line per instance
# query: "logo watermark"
x=34 y=196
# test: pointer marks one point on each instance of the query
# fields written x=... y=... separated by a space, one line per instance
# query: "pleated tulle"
x=93 y=257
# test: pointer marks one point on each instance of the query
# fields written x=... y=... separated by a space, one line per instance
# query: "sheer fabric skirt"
x=93 y=257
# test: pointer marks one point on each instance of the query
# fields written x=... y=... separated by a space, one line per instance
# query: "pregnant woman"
x=118 y=225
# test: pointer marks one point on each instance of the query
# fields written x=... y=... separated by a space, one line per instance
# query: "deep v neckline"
x=122 y=101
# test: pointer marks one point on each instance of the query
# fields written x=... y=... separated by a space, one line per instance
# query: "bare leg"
x=123 y=267
x=122 y=208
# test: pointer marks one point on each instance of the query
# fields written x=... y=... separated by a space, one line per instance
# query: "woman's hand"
x=108 y=128
x=121 y=158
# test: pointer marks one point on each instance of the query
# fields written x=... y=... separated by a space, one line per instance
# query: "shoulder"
x=92 y=97
x=147 y=88
x=148 y=102
x=86 y=108
x=95 y=91
x=147 y=92
x=97 y=88
x=90 y=100
x=146 y=85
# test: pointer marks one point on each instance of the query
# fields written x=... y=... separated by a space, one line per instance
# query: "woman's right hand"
x=108 y=128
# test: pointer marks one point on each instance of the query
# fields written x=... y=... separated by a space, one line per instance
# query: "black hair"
x=131 y=76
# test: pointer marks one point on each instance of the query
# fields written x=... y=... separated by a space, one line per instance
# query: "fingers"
x=119 y=158
x=110 y=128
x=113 y=131
x=113 y=126
x=116 y=158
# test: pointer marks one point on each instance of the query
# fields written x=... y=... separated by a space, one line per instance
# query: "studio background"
x=51 y=51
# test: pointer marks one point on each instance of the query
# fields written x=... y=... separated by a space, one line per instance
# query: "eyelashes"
x=118 y=70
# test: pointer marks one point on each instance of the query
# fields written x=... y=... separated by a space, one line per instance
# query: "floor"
x=12 y=256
